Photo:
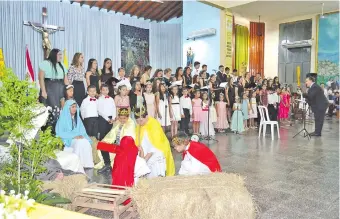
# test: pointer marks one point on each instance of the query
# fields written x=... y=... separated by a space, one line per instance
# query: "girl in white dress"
x=162 y=102
x=253 y=110
x=206 y=128
x=175 y=110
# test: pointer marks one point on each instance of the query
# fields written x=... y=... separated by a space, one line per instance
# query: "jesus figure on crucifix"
x=45 y=31
x=46 y=43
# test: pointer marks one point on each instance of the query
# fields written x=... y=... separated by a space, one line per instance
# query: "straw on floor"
x=213 y=196
x=67 y=187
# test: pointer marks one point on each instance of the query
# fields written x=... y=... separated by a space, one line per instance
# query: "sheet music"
x=224 y=84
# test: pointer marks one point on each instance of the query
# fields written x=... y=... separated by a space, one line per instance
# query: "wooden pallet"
x=107 y=198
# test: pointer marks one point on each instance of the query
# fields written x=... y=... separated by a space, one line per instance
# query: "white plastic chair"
x=266 y=121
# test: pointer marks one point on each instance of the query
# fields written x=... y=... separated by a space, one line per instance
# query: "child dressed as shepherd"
x=197 y=158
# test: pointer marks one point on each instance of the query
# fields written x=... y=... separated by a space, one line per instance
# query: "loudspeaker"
x=314 y=75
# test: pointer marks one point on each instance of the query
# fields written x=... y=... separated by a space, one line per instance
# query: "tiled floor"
x=288 y=178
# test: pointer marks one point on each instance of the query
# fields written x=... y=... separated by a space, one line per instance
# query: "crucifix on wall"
x=45 y=31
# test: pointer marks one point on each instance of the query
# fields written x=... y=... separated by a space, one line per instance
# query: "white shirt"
x=106 y=107
x=192 y=166
x=325 y=92
x=195 y=72
x=273 y=98
x=185 y=103
x=88 y=108
x=124 y=81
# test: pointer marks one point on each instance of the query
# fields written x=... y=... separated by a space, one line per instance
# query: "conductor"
x=318 y=102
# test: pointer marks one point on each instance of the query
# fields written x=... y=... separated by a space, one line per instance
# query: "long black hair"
x=89 y=65
x=53 y=58
x=177 y=72
x=162 y=96
x=110 y=69
x=75 y=115
x=133 y=88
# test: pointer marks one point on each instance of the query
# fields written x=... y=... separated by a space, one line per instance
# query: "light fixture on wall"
x=322 y=5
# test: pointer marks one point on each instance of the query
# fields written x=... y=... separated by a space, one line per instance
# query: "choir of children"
x=175 y=103
x=143 y=110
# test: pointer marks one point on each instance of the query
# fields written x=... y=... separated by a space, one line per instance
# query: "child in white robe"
x=198 y=159
x=154 y=158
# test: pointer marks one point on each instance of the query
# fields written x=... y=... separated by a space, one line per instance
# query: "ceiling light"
x=322 y=5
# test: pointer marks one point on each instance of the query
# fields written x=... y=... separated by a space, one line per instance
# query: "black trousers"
x=331 y=110
x=91 y=126
x=185 y=121
x=79 y=92
x=104 y=128
x=272 y=112
x=319 y=117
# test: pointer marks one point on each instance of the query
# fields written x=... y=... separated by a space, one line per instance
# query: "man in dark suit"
x=221 y=77
x=318 y=102
x=205 y=68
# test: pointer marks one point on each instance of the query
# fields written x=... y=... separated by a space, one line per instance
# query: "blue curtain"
x=94 y=33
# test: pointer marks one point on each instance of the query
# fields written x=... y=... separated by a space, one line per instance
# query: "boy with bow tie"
x=198 y=159
x=107 y=115
x=186 y=110
x=89 y=112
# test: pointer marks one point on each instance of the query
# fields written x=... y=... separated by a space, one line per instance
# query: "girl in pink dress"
x=150 y=100
x=284 y=105
x=196 y=112
x=122 y=100
x=221 y=110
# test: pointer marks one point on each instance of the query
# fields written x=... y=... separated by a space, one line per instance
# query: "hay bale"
x=67 y=187
x=213 y=196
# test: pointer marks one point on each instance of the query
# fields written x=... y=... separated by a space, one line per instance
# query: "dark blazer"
x=221 y=77
x=316 y=98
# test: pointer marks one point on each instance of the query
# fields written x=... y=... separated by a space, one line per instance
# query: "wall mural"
x=135 y=47
x=328 y=47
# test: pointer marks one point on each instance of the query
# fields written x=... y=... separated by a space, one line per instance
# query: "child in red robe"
x=197 y=158
x=127 y=166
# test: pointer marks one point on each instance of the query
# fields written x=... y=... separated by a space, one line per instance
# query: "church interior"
x=152 y=109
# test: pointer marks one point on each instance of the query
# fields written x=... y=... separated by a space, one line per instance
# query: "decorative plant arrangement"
x=18 y=98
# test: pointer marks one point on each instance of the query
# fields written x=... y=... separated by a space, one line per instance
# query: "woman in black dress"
x=107 y=72
x=92 y=75
x=75 y=76
x=231 y=94
x=187 y=76
x=247 y=80
x=203 y=78
x=276 y=83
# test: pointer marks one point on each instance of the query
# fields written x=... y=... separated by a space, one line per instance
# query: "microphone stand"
x=304 y=130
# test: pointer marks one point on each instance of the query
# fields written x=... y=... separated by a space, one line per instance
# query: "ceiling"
x=154 y=10
x=279 y=10
x=226 y=3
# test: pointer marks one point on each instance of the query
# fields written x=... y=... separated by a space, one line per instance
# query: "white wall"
x=241 y=20
x=271 y=44
x=198 y=16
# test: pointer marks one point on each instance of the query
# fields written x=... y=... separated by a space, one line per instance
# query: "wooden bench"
x=107 y=198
